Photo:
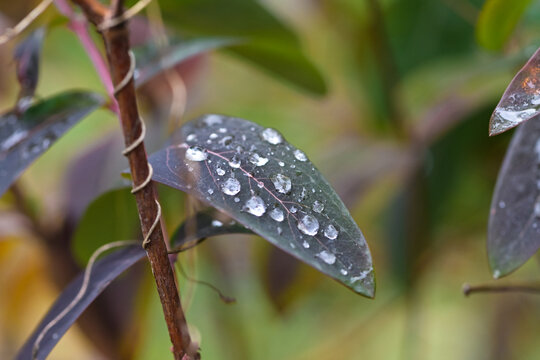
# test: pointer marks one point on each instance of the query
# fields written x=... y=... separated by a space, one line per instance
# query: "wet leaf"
x=521 y=100
x=150 y=66
x=108 y=268
x=497 y=21
x=514 y=222
x=23 y=138
x=27 y=58
x=255 y=176
x=270 y=43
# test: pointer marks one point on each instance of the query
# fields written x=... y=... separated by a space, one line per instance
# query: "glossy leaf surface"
x=108 y=268
x=255 y=176
x=24 y=137
x=521 y=100
x=514 y=222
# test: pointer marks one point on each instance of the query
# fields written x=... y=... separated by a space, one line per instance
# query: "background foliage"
x=391 y=100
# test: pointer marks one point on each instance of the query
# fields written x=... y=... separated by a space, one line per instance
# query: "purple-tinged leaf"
x=514 y=222
x=521 y=100
x=255 y=176
x=108 y=268
x=24 y=137
x=174 y=55
x=27 y=58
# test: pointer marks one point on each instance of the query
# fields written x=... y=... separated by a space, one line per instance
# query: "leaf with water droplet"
x=27 y=58
x=108 y=268
x=521 y=100
x=514 y=223
x=24 y=137
x=273 y=199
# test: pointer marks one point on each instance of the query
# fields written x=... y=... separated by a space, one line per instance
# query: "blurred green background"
x=392 y=105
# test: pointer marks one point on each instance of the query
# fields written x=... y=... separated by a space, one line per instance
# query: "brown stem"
x=117 y=46
x=526 y=288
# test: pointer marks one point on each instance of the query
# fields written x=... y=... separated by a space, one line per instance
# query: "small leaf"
x=270 y=43
x=27 y=58
x=255 y=176
x=104 y=271
x=175 y=54
x=514 y=222
x=497 y=21
x=521 y=100
x=23 y=138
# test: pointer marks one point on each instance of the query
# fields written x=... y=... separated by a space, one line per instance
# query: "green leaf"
x=514 y=221
x=497 y=21
x=521 y=99
x=255 y=176
x=150 y=62
x=110 y=217
x=270 y=43
x=24 y=137
x=104 y=271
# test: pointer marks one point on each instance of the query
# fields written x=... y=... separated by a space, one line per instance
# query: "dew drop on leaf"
x=234 y=162
x=282 y=183
x=317 y=206
x=305 y=244
x=196 y=153
x=257 y=160
x=299 y=155
x=211 y=120
x=220 y=171
x=231 y=187
x=331 y=232
x=272 y=136
x=191 y=137
x=327 y=257
x=277 y=214
x=213 y=136
x=308 y=225
x=217 y=223
x=255 y=206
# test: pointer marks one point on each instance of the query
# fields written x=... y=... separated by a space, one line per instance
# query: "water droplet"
x=236 y=199
x=210 y=191
x=327 y=257
x=220 y=171
x=277 y=215
x=213 y=136
x=255 y=206
x=308 y=225
x=281 y=163
x=217 y=223
x=302 y=195
x=496 y=274
x=502 y=204
x=272 y=136
x=196 y=153
x=343 y=272
x=191 y=137
x=13 y=139
x=260 y=184
x=299 y=155
x=211 y=120
x=331 y=232
x=257 y=160
x=317 y=206
x=222 y=130
x=282 y=183
x=293 y=209
x=231 y=187
x=226 y=140
x=234 y=162
x=305 y=244
x=279 y=230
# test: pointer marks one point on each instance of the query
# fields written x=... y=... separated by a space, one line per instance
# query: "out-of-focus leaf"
x=110 y=217
x=27 y=58
x=521 y=100
x=175 y=54
x=255 y=176
x=23 y=138
x=514 y=222
x=270 y=43
x=497 y=20
x=105 y=270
